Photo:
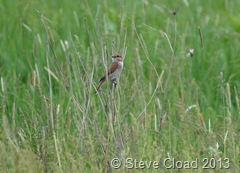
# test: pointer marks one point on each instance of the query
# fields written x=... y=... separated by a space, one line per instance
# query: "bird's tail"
x=101 y=82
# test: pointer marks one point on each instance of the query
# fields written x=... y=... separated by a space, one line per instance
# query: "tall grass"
x=166 y=104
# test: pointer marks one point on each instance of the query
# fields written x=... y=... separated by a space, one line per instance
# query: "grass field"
x=170 y=112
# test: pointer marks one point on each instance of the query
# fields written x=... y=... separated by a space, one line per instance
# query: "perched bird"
x=113 y=71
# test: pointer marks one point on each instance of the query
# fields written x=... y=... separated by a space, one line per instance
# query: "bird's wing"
x=112 y=68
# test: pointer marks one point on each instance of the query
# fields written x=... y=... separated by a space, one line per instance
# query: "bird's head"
x=117 y=58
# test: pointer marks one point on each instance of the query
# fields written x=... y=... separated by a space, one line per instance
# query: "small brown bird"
x=113 y=71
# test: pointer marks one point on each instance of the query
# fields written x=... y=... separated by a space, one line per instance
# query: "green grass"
x=167 y=105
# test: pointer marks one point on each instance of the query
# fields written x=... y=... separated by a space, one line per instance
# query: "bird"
x=114 y=70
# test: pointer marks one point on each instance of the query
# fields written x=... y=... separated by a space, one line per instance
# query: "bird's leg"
x=114 y=81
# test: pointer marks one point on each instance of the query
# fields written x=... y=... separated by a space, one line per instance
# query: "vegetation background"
x=167 y=104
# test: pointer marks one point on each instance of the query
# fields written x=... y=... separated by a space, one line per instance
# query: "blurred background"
x=52 y=54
